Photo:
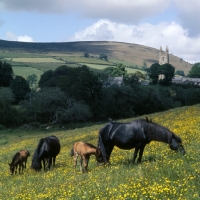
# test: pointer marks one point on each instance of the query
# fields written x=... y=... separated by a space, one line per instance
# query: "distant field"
x=35 y=60
x=26 y=71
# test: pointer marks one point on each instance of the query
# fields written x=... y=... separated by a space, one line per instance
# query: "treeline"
x=80 y=94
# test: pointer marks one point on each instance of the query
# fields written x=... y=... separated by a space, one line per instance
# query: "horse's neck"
x=158 y=133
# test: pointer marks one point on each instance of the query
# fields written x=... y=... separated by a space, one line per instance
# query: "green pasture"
x=35 y=60
x=163 y=173
x=26 y=71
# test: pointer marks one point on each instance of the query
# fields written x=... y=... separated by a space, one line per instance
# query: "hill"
x=127 y=53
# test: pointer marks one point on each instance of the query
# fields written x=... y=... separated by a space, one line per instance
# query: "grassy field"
x=163 y=173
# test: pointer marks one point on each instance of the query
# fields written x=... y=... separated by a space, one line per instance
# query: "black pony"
x=136 y=135
x=47 y=149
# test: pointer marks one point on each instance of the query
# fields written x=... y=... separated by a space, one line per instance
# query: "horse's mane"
x=36 y=153
x=157 y=132
x=91 y=145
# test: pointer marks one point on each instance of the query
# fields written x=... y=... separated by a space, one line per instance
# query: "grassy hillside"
x=45 y=56
x=163 y=174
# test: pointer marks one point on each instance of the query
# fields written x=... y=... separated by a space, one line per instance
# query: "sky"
x=153 y=23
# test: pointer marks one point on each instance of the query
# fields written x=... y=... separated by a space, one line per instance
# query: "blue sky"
x=154 y=23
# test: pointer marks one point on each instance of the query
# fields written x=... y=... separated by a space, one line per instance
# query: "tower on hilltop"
x=164 y=56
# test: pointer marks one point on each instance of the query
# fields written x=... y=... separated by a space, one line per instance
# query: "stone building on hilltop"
x=164 y=56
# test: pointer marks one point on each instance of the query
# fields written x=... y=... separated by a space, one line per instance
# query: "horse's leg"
x=49 y=162
x=16 y=168
x=135 y=154
x=141 y=153
x=108 y=153
x=81 y=163
x=75 y=160
x=20 y=167
x=43 y=163
x=25 y=163
x=54 y=161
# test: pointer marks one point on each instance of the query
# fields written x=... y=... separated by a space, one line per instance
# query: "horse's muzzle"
x=182 y=150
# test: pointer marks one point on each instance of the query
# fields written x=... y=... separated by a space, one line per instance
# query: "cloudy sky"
x=154 y=23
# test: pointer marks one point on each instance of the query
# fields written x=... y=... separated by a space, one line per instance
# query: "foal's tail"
x=72 y=152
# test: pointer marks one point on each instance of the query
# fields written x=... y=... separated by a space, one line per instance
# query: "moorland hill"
x=134 y=54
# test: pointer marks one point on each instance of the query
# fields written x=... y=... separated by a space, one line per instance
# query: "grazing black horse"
x=136 y=135
x=47 y=149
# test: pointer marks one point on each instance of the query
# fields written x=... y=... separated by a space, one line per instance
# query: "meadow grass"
x=163 y=173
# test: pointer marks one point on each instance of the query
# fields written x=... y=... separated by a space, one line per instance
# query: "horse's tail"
x=102 y=147
x=35 y=159
x=72 y=151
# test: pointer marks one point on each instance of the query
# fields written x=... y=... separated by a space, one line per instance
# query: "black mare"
x=47 y=149
x=136 y=135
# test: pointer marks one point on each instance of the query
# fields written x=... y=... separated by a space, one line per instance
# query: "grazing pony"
x=85 y=150
x=18 y=159
x=136 y=135
x=47 y=149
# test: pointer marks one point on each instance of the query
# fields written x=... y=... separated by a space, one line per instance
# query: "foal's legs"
x=85 y=162
x=75 y=159
x=135 y=154
x=141 y=153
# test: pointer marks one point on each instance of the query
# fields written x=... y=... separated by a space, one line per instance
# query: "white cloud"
x=115 y=10
x=188 y=12
x=12 y=37
x=162 y=34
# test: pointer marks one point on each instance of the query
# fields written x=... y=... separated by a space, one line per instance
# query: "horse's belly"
x=126 y=146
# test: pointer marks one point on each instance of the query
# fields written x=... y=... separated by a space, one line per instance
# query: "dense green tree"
x=80 y=83
x=180 y=73
x=87 y=55
x=20 y=88
x=9 y=114
x=51 y=105
x=47 y=79
x=119 y=70
x=117 y=102
x=154 y=72
x=6 y=74
x=103 y=57
x=168 y=71
x=131 y=80
x=195 y=71
x=32 y=80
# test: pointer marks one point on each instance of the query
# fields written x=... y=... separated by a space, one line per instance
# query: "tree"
x=32 y=80
x=6 y=74
x=153 y=72
x=46 y=79
x=168 y=71
x=87 y=55
x=20 y=88
x=195 y=71
x=180 y=73
x=103 y=57
x=119 y=70
x=51 y=105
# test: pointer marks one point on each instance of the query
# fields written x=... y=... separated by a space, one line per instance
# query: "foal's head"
x=12 y=168
x=99 y=156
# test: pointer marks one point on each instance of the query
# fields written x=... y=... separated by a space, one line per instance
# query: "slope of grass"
x=163 y=174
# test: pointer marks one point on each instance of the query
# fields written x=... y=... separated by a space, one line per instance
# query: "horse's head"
x=99 y=156
x=12 y=168
x=176 y=145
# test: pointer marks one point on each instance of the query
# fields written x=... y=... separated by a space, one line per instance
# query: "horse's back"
x=54 y=145
x=123 y=135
